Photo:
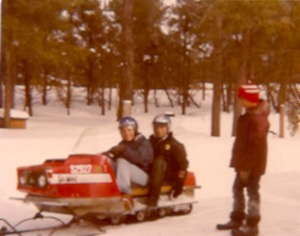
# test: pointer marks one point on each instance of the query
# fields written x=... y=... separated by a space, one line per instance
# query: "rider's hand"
x=178 y=185
x=118 y=150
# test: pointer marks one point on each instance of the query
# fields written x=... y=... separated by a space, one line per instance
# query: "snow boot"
x=152 y=213
x=249 y=229
x=236 y=221
x=245 y=230
x=152 y=202
x=229 y=225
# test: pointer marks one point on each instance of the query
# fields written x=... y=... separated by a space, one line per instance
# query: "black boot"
x=152 y=201
x=229 y=225
x=236 y=221
x=250 y=229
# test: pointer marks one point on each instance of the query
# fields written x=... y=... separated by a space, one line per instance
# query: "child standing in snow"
x=249 y=159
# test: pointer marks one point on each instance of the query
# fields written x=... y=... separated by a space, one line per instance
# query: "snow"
x=53 y=134
x=16 y=114
x=169 y=2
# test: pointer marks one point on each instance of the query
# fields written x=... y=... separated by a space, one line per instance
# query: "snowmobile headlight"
x=42 y=181
x=22 y=180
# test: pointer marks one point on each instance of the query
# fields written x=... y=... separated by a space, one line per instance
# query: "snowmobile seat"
x=190 y=182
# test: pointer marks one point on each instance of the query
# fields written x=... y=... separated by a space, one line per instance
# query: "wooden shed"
x=18 y=119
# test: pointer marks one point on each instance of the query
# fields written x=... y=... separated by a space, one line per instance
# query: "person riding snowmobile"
x=170 y=160
x=132 y=157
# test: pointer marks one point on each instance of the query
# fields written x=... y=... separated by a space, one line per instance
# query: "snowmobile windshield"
x=93 y=141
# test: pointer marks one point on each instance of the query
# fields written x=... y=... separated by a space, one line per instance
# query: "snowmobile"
x=84 y=186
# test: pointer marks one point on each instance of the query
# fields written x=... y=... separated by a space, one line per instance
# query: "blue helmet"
x=128 y=121
x=162 y=119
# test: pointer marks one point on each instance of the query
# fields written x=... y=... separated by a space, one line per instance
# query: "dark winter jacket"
x=249 y=151
x=138 y=152
x=173 y=152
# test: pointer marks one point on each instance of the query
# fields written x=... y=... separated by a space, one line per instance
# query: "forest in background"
x=138 y=46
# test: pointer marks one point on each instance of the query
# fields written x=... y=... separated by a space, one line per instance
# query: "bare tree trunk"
x=69 y=93
x=110 y=97
x=1 y=57
x=281 y=120
x=7 y=66
x=102 y=96
x=295 y=92
x=227 y=98
x=146 y=87
x=203 y=90
x=8 y=88
x=27 y=78
x=126 y=83
x=185 y=84
x=1 y=90
x=64 y=91
x=185 y=78
x=146 y=94
x=241 y=75
x=224 y=98
x=45 y=85
x=1 y=54
x=216 y=107
x=166 y=91
x=90 y=84
x=110 y=88
x=1 y=72
x=270 y=96
x=282 y=93
x=229 y=95
x=191 y=98
x=155 y=98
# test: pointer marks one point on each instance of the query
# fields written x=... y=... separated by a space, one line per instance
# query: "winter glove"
x=115 y=151
x=178 y=185
x=244 y=176
x=118 y=150
x=108 y=154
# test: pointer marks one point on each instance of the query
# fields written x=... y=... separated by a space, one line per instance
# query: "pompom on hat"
x=249 y=92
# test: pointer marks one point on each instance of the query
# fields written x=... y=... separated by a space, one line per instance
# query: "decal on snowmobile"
x=80 y=178
x=80 y=169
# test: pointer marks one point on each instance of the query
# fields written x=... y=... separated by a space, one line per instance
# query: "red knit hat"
x=249 y=91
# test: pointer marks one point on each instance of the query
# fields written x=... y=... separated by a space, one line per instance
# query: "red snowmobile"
x=84 y=186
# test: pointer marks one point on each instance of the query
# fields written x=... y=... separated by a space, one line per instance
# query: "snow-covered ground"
x=53 y=134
